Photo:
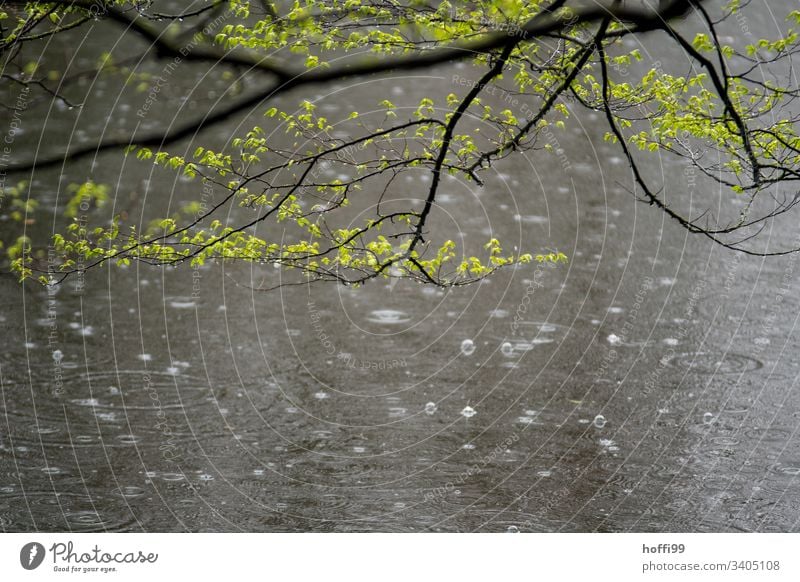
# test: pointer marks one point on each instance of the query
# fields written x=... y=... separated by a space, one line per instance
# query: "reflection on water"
x=613 y=393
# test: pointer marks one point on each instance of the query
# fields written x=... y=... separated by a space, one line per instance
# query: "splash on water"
x=468 y=347
x=468 y=412
x=388 y=316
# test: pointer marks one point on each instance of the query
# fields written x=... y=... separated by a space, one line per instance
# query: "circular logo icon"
x=31 y=555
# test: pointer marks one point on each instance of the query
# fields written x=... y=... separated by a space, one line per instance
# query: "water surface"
x=648 y=385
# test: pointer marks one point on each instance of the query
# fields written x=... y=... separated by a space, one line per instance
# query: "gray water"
x=648 y=385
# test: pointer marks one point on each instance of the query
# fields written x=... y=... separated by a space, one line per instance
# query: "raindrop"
x=58 y=355
x=388 y=316
x=708 y=418
x=430 y=408
x=512 y=529
x=614 y=339
x=129 y=491
x=507 y=349
x=468 y=347
x=599 y=421
x=468 y=412
x=84 y=518
x=172 y=476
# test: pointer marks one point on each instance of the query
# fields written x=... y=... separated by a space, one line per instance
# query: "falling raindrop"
x=468 y=347
x=708 y=418
x=468 y=412
x=512 y=529
x=430 y=407
x=507 y=349
x=599 y=421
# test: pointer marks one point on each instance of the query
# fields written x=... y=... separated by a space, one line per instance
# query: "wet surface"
x=648 y=385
